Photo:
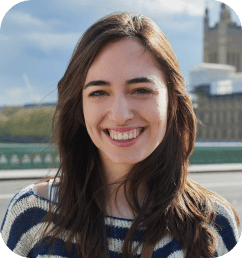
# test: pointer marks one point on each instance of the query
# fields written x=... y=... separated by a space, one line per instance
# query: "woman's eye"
x=139 y=90
x=147 y=91
x=93 y=94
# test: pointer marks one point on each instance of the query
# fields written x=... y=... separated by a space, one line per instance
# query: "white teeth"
x=126 y=135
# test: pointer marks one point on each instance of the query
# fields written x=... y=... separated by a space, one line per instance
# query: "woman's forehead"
x=127 y=57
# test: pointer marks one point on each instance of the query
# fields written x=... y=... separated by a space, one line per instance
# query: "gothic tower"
x=223 y=42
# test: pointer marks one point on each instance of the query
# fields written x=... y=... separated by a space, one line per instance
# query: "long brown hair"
x=173 y=204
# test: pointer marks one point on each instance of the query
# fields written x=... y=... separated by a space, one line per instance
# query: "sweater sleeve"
x=22 y=221
x=226 y=228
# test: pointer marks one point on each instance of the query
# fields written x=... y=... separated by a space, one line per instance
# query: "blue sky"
x=37 y=38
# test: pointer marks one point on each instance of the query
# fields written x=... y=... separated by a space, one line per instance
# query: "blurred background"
x=37 y=39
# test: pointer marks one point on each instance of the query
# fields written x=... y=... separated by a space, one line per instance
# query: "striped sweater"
x=26 y=210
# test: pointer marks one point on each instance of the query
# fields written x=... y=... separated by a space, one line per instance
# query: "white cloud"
x=153 y=8
x=38 y=32
x=20 y=94
x=13 y=93
x=49 y=41
x=181 y=26
x=21 y=19
x=173 y=7
x=26 y=21
x=33 y=97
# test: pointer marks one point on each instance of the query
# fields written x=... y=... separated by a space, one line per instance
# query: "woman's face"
x=125 y=94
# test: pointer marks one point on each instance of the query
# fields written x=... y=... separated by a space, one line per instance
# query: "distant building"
x=222 y=78
x=217 y=82
x=223 y=42
x=222 y=56
x=221 y=115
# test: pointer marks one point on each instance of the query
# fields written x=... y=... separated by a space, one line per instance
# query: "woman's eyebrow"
x=150 y=79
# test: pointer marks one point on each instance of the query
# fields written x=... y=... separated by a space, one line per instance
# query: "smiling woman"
x=125 y=128
x=133 y=104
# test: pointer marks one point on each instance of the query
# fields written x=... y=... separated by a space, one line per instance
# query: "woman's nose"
x=121 y=110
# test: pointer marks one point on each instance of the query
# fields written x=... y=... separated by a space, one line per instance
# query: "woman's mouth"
x=124 y=136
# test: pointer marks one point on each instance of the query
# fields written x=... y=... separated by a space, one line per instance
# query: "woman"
x=125 y=128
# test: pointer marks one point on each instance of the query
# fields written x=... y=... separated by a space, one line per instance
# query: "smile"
x=124 y=139
x=124 y=136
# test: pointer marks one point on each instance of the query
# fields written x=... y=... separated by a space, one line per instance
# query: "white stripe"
x=29 y=239
x=221 y=248
x=20 y=207
x=177 y=254
x=47 y=256
x=229 y=215
x=164 y=241
x=118 y=223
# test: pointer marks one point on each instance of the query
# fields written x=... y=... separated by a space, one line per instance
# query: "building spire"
x=206 y=17
x=225 y=13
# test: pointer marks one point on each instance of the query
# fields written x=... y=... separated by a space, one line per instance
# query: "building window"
x=213 y=58
x=221 y=117
x=204 y=134
x=201 y=117
x=240 y=117
x=236 y=134
x=214 y=118
x=230 y=134
x=224 y=134
x=210 y=58
x=206 y=118
x=215 y=136
x=228 y=117
x=238 y=64
x=211 y=133
x=240 y=135
x=218 y=134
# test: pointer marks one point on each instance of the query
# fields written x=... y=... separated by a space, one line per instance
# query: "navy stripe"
x=226 y=231
x=120 y=233
x=24 y=222
x=167 y=250
x=30 y=217
x=59 y=249
x=5 y=216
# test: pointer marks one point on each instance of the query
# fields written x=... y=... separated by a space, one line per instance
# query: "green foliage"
x=9 y=111
x=35 y=121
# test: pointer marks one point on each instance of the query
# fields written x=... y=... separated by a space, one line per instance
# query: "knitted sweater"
x=26 y=210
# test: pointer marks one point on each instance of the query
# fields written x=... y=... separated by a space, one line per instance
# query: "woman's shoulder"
x=42 y=189
x=224 y=212
x=24 y=214
x=226 y=227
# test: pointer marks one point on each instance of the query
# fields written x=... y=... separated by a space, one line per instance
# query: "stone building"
x=221 y=115
x=223 y=42
x=217 y=82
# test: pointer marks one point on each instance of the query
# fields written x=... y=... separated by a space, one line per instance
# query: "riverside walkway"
x=41 y=173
